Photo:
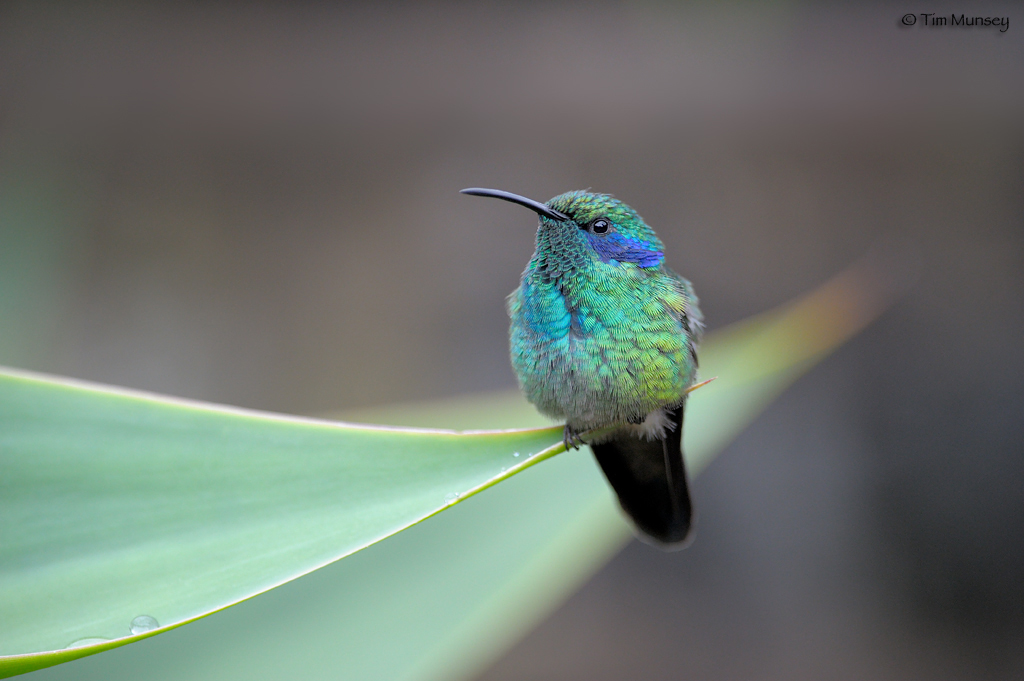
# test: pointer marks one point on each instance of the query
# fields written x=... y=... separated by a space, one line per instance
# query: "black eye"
x=599 y=226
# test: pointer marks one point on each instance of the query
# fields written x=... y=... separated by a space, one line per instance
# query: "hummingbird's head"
x=611 y=228
x=599 y=224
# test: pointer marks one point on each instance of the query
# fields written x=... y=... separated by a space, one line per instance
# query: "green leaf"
x=115 y=504
x=118 y=505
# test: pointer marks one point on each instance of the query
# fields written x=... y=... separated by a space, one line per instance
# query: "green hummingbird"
x=604 y=335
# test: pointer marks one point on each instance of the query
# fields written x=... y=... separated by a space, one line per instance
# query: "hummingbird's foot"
x=571 y=438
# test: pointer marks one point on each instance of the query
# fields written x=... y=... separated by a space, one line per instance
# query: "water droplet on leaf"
x=144 y=623
x=451 y=498
x=82 y=642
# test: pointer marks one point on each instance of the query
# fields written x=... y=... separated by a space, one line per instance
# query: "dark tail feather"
x=650 y=478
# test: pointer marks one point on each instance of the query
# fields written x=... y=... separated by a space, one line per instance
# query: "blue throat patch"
x=625 y=249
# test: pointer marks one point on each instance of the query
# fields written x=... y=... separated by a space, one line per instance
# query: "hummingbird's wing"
x=683 y=301
x=649 y=477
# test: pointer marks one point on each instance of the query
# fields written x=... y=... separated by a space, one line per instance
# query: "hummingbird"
x=604 y=335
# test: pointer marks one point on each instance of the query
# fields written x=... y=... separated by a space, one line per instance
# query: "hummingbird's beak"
x=535 y=206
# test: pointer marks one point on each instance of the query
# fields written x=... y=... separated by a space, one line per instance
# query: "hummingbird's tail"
x=649 y=477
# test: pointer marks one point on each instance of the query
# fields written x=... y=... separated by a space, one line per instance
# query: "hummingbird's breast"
x=599 y=347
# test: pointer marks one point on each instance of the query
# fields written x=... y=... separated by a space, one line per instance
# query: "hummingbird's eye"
x=599 y=226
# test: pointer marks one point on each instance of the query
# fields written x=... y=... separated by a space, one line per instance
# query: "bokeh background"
x=257 y=205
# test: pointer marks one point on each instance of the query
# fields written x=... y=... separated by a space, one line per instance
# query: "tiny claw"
x=571 y=439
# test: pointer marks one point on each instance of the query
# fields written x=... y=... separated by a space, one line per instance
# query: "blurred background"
x=257 y=205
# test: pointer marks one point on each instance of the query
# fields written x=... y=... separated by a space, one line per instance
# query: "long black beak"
x=535 y=206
